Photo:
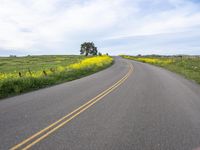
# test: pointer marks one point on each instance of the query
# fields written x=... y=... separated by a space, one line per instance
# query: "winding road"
x=129 y=106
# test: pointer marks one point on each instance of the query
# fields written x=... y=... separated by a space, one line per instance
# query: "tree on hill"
x=88 y=48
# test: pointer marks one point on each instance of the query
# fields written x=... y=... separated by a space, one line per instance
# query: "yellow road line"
x=60 y=120
x=76 y=112
x=62 y=124
x=53 y=124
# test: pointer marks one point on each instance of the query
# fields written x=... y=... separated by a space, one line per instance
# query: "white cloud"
x=26 y=24
x=177 y=19
x=59 y=26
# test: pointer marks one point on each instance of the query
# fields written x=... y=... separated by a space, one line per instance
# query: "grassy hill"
x=22 y=74
x=188 y=66
x=36 y=63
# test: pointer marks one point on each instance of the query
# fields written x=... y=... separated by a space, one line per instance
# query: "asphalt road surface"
x=147 y=108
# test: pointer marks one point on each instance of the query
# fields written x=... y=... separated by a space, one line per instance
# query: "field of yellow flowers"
x=15 y=82
x=188 y=66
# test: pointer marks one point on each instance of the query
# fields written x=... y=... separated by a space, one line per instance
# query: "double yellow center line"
x=37 y=137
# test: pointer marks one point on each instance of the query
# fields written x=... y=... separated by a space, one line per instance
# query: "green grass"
x=36 y=63
x=189 y=67
x=57 y=69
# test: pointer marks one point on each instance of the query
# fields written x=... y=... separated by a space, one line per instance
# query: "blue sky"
x=115 y=26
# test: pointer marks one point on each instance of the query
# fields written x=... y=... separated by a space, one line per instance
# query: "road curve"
x=149 y=108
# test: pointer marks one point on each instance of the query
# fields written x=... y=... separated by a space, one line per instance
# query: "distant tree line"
x=176 y=56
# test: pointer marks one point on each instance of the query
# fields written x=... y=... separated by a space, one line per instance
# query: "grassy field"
x=189 y=67
x=22 y=74
x=36 y=63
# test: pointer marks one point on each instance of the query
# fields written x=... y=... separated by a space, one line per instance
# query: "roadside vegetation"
x=22 y=74
x=35 y=63
x=188 y=66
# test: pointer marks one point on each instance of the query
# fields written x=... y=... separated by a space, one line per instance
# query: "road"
x=147 y=108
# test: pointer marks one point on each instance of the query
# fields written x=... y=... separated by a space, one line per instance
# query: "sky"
x=47 y=27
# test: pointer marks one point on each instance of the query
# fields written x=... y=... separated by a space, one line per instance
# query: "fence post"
x=20 y=74
x=44 y=72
